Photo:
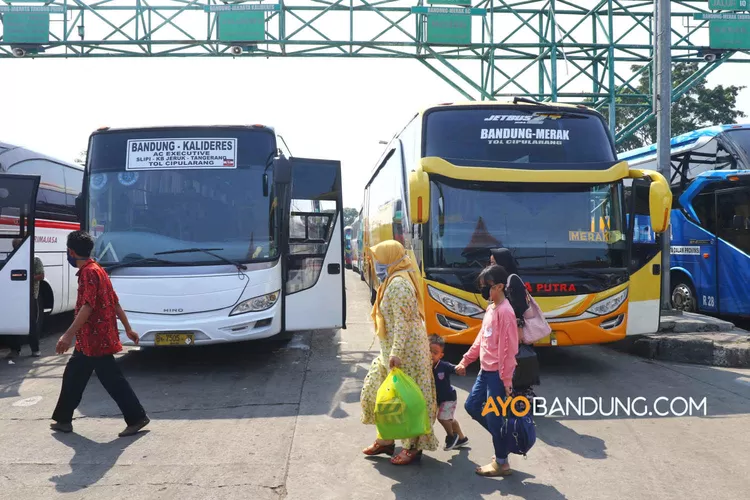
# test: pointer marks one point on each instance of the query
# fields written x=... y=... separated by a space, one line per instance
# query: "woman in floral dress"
x=398 y=315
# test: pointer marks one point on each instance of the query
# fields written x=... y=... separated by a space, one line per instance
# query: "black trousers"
x=76 y=376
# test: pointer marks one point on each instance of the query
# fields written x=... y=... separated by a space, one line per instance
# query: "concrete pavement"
x=692 y=338
x=267 y=420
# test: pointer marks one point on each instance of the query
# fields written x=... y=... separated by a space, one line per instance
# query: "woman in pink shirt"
x=496 y=347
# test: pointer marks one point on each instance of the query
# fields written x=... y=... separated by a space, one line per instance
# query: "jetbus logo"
x=536 y=119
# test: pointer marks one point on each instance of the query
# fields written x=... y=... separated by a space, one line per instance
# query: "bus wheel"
x=683 y=295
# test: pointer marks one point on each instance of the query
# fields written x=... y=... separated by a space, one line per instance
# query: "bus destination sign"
x=166 y=154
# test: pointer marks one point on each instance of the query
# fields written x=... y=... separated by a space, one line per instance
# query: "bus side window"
x=724 y=159
x=705 y=208
x=733 y=214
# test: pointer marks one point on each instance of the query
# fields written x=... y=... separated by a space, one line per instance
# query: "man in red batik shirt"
x=96 y=342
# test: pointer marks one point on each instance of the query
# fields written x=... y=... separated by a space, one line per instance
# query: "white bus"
x=59 y=185
x=211 y=235
x=356 y=244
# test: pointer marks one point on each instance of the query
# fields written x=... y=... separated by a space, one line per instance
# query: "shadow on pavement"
x=91 y=460
x=193 y=382
x=456 y=479
x=24 y=367
x=626 y=388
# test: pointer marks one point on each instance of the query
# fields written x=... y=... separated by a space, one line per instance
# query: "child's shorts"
x=446 y=410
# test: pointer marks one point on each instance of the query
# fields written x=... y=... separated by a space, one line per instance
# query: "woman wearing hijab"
x=516 y=289
x=398 y=314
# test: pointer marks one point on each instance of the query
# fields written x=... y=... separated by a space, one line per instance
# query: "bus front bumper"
x=599 y=330
x=213 y=327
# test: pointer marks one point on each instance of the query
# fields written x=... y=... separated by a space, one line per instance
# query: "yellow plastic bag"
x=400 y=408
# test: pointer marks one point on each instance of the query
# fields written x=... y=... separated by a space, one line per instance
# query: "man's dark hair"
x=437 y=340
x=497 y=275
x=81 y=243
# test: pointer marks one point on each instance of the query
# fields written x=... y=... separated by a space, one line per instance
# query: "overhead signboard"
x=449 y=10
x=26 y=27
x=729 y=35
x=449 y=2
x=449 y=25
x=167 y=154
x=449 y=29
x=264 y=7
x=728 y=4
x=721 y=16
x=242 y=26
x=32 y=8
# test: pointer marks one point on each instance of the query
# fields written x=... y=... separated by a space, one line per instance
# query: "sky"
x=325 y=108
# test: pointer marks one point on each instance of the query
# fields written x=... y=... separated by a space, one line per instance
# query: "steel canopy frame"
x=563 y=50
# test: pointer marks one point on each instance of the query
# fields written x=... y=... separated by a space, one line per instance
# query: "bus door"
x=733 y=248
x=695 y=249
x=17 y=205
x=645 y=263
x=313 y=253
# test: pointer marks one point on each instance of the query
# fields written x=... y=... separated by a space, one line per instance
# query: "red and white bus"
x=59 y=185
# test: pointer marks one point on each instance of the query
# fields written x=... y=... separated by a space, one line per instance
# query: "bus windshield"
x=544 y=225
x=148 y=194
x=741 y=139
x=489 y=137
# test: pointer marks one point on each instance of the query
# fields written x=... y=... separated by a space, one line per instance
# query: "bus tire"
x=683 y=294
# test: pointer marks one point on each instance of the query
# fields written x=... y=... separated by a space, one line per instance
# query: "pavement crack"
x=276 y=489
x=157 y=412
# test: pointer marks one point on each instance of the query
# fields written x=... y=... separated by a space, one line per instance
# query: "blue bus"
x=710 y=237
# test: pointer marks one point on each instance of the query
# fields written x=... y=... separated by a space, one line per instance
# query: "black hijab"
x=516 y=292
x=504 y=258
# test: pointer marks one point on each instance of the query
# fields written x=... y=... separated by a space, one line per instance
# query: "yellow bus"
x=540 y=179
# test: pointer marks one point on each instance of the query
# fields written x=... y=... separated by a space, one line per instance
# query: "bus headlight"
x=454 y=304
x=610 y=304
x=256 y=304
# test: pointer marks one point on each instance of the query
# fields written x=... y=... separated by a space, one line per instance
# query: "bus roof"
x=684 y=142
x=488 y=104
x=555 y=105
x=11 y=154
x=104 y=130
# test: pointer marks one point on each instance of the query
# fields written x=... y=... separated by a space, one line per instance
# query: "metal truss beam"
x=561 y=50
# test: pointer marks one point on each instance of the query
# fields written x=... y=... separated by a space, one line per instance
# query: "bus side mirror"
x=265 y=185
x=79 y=209
x=282 y=170
x=419 y=196
x=660 y=203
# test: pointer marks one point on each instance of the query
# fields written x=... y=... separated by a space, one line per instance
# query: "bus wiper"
x=136 y=262
x=208 y=251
